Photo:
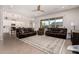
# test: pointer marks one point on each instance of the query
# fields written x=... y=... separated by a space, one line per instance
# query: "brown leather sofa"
x=57 y=32
x=75 y=38
x=25 y=32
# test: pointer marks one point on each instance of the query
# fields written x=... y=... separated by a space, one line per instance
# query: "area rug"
x=45 y=43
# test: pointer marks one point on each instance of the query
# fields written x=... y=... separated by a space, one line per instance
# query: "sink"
x=73 y=48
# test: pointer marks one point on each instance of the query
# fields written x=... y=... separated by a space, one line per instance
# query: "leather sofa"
x=25 y=32
x=57 y=32
x=75 y=38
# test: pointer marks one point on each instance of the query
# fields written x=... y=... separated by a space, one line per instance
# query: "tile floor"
x=12 y=45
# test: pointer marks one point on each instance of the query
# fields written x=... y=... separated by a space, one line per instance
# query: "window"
x=52 y=22
x=45 y=23
x=59 y=22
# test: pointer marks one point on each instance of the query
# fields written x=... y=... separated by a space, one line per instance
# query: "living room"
x=37 y=27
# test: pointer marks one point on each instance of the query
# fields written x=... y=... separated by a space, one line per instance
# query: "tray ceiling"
x=27 y=10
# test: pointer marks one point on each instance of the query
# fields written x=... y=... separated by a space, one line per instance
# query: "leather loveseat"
x=25 y=32
x=57 y=32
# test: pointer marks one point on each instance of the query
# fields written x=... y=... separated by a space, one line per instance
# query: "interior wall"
x=1 y=24
x=69 y=16
x=12 y=18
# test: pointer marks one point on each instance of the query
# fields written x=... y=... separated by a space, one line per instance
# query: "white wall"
x=1 y=24
x=19 y=20
x=69 y=16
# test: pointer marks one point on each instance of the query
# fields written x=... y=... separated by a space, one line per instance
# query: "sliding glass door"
x=51 y=23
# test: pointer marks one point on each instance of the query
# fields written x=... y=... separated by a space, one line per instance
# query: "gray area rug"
x=45 y=43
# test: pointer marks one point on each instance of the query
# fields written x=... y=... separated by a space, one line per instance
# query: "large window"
x=51 y=22
x=44 y=24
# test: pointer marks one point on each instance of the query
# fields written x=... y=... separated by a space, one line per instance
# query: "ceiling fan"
x=38 y=9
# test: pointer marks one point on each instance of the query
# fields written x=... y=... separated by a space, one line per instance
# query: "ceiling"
x=27 y=10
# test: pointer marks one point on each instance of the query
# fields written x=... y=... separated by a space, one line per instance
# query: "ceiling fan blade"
x=34 y=10
x=42 y=10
